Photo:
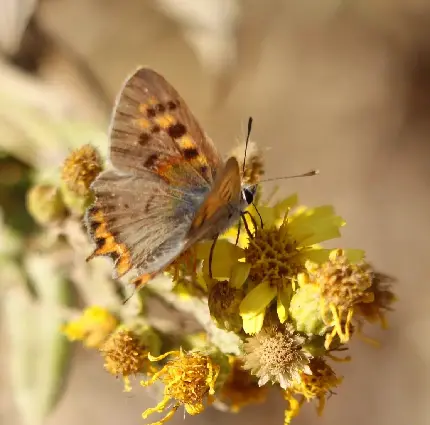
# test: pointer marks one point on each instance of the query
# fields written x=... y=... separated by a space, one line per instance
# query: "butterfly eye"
x=248 y=194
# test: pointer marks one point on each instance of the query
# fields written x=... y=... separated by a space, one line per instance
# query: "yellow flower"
x=278 y=253
x=275 y=354
x=240 y=388
x=92 y=327
x=125 y=354
x=188 y=379
x=341 y=285
x=314 y=386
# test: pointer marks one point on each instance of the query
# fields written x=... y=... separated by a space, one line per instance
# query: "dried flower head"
x=183 y=272
x=92 y=327
x=275 y=354
x=313 y=386
x=80 y=169
x=240 y=388
x=125 y=354
x=188 y=379
x=384 y=297
x=224 y=301
x=342 y=285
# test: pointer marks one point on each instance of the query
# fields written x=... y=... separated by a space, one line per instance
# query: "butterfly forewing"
x=153 y=129
x=222 y=204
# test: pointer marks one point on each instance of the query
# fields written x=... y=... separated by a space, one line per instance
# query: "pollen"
x=342 y=286
x=273 y=256
x=80 y=169
x=189 y=379
x=125 y=355
x=275 y=354
x=311 y=386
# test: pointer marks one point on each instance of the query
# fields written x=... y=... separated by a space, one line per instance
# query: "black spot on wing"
x=172 y=105
x=156 y=129
x=150 y=161
x=114 y=255
x=149 y=203
x=144 y=138
x=190 y=153
x=176 y=131
x=151 y=112
x=160 y=108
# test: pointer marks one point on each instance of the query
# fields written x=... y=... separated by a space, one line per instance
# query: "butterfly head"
x=248 y=193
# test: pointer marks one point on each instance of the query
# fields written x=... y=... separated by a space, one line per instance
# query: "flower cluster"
x=275 y=304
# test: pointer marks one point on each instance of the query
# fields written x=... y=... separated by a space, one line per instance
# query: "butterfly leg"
x=238 y=233
x=254 y=223
x=211 y=254
x=259 y=215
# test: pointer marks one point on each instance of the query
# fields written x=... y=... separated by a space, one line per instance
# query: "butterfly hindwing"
x=141 y=222
x=153 y=129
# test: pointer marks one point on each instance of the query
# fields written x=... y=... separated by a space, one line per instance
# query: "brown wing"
x=141 y=222
x=221 y=205
x=153 y=129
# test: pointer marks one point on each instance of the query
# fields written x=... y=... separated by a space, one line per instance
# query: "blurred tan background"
x=342 y=86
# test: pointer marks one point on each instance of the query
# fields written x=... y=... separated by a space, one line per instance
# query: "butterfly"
x=167 y=187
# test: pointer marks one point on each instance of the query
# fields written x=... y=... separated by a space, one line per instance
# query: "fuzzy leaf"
x=39 y=353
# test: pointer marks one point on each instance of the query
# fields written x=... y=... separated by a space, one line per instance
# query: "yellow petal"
x=283 y=303
x=257 y=300
x=316 y=255
x=224 y=257
x=253 y=325
x=239 y=274
x=283 y=206
x=321 y=235
x=315 y=225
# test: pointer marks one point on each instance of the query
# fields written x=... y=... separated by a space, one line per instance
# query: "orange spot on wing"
x=142 y=280
x=143 y=123
x=107 y=245
x=165 y=121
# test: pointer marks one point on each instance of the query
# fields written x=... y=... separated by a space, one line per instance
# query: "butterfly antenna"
x=308 y=174
x=247 y=141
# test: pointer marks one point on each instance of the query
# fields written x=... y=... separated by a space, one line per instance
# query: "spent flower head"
x=125 y=354
x=276 y=354
x=342 y=285
x=79 y=170
x=383 y=299
x=241 y=389
x=316 y=385
x=189 y=379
